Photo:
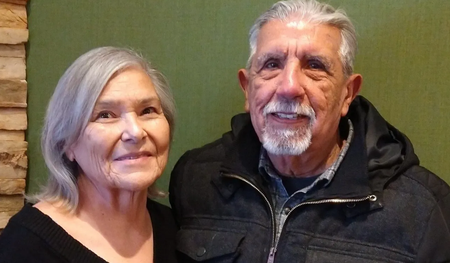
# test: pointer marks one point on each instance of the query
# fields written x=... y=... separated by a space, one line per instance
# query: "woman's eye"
x=148 y=110
x=105 y=115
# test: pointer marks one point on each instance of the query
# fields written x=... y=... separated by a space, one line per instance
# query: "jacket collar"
x=377 y=154
x=242 y=153
x=389 y=152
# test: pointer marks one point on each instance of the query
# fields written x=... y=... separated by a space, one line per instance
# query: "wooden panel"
x=14 y=51
x=13 y=35
x=5 y=216
x=12 y=68
x=13 y=119
x=13 y=103
x=17 y=2
x=13 y=93
x=11 y=202
x=12 y=135
x=12 y=186
x=9 y=206
x=13 y=146
x=13 y=160
x=13 y=171
x=13 y=16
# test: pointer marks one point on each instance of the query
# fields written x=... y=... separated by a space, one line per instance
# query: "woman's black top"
x=31 y=236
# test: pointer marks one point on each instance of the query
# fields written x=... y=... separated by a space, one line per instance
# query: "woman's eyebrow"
x=110 y=103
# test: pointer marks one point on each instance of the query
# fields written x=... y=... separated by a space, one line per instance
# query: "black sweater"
x=32 y=236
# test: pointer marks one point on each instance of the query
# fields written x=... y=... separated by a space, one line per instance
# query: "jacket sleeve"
x=435 y=244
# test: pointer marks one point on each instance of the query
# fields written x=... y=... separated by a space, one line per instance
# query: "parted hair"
x=70 y=109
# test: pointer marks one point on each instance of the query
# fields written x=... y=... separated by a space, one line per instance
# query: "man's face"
x=296 y=91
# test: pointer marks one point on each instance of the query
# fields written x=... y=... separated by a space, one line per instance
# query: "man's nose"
x=292 y=81
x=133 y=130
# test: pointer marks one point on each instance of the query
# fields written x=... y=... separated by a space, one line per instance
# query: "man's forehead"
x=297 y=24
x=299 y=27
x=277 y=35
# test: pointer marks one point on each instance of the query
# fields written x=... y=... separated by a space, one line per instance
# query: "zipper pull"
x=271 y=258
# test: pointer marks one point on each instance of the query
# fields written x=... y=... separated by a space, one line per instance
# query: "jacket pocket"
x=324 y=249
x=330 y=257
x=205 y=244
x=356 y=254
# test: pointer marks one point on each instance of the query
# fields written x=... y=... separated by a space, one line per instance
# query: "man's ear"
x=243 y=81
x=352 y=88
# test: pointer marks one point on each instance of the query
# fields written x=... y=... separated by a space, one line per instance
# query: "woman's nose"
x=133 y=131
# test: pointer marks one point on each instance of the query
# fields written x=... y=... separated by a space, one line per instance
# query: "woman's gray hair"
x=310 y=11
x=70 y=109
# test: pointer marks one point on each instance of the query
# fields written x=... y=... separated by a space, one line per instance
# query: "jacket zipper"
x=273 y=248
x=371 y=198
x=272 y=216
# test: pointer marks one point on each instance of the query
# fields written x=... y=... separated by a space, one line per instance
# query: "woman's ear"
x=70 y=154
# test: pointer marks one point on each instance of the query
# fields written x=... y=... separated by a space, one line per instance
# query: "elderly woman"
x=105 y=141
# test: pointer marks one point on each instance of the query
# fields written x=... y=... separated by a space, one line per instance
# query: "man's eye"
x=148 y=110
x=314 y=64
x=272 y=65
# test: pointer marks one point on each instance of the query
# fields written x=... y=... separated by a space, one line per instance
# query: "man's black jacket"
x=381 y=206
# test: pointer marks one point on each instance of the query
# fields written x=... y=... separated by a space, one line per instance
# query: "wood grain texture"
x=13 y=93
x=13 y=15
x=12 y=135
x=14 y=51
x=5 y=216
x=13 y=35
x=11 y=202
x=12 y=186
x=12 y=68
x=17 y=2
x=13 y=119
x=13 y=159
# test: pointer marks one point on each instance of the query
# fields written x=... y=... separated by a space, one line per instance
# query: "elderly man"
x=312 y=173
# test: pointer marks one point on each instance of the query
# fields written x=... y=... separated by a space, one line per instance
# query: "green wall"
x=199 y=45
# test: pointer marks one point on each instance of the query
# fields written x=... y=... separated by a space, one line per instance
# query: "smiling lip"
x=132 y=156
x=288 y=116
x=284 y=115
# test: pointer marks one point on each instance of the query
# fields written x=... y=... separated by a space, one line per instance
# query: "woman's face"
x=126 y=143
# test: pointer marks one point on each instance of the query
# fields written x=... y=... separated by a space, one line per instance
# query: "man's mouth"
x=288 y=116
x=285 y=112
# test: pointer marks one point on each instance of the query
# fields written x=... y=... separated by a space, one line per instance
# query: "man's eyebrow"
x=269 y=55
x=325 y=60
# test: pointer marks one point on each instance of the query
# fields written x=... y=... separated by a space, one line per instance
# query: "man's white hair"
x=310 y=11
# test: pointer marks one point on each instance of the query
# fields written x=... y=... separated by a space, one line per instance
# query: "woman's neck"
x=114 y=224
